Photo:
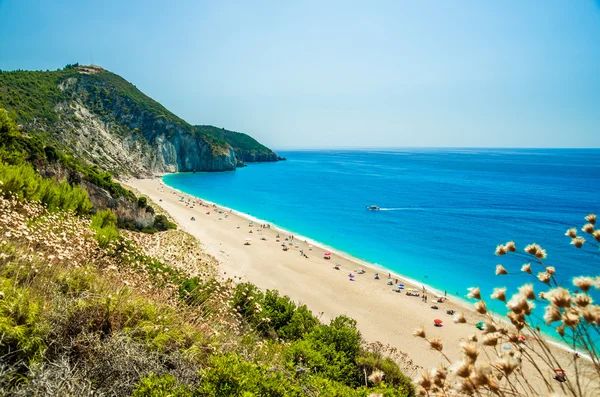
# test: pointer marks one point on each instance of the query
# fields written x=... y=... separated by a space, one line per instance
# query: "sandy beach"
x=382 y=314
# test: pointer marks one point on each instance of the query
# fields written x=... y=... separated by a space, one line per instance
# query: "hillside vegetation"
x=85 y=310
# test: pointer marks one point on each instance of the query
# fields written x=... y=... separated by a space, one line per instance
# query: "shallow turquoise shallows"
x=442 y=211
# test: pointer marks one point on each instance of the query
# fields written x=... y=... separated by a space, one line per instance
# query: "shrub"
x=161 y=223
x=160 y=386
x=22 y=181
x=105 y=225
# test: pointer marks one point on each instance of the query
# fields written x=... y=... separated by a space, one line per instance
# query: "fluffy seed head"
x=425 y=380
x=376 y=376
x=507 y=364
x=461 y=368
x=500 y=294
x=544 y=277
x=572 y=232
x=527 y=291
x=436 y=344
x=459 y=318
x=536 y=250
x=474 y=293
x=501 y=250
x=419 y=332
x=591 y=218
x=591 y=314
x=588 y=228
x=552 y=314
x=561 y=330
x=489 y=327
x=480 y=307
x=596 y=235
x=578 y=242
x=583 y=283
x=559 y=297
x=517 y=303
x=510 y=246
x=500 y=270
x=550 y=270
x=517 y=319
x=490 y=340
x=582 y=300
x=570 y=319
x=526 y=268
x=470 y=350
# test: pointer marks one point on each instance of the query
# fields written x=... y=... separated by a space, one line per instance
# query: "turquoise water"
x=443 y=211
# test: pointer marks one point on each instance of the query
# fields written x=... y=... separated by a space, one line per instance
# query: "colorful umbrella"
x=437 y=321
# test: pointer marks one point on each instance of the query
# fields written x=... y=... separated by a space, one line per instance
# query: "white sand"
x=382 y=315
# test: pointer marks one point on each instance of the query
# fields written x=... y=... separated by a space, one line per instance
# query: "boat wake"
x=402 y=209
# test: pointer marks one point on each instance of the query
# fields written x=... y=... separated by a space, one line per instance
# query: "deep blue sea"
x=443 y=210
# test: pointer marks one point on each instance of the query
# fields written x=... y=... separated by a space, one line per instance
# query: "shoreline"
x=377 y=268
x=381 y=315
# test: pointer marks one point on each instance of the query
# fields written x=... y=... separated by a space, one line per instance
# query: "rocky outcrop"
x=107 y=121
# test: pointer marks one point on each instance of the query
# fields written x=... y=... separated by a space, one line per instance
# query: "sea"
x=442 y=211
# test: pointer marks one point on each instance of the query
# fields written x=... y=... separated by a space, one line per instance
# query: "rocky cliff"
x=107 y=121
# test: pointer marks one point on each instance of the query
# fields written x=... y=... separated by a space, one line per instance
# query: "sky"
x=338 y=74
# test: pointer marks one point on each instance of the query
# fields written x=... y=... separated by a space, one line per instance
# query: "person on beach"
x=376 y=276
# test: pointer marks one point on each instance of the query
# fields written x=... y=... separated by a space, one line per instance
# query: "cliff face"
x=107 y=121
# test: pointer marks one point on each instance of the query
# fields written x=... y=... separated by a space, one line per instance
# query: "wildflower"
x=517 y=319
x=552 y=314
x=472 y=338
x=526 y=268
x=570 y=319
x=536 y=250
x=425 y=380
x=544 y=277
x=517 y=303
x=588 y=228
x=572 y=232
x=591 y=313
x=583 y=283
x=500 y=294
x=561 y=330
x=578 y=242
x=376 y=376
x=474 y=293
x=591 y=218
x=596 y=235
x=489 y=327
x=490 y=340
x=480 y=307
x=436 y=344
x=480 y=374
x=500 y=270
x=507 y=364
x=459 y=318
x=510 y=246
x=461 y=368
x=470 y=350
x=527 y=291
x=419 y=332
x=559 y=297
x=582 y=300
x=501 y=250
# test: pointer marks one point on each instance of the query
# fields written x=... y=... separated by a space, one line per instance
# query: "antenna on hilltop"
x=92 y=57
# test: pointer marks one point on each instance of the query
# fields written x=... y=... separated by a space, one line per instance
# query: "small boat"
x=372 y=208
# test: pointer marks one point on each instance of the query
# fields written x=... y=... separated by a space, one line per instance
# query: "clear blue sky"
x=309 y=74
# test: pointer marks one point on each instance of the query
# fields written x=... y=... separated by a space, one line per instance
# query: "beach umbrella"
x=437 y=321
x=506 y=347
x=479 y=325
x=401 y=285
x=327 y=254
x=248 y=239
x=351 y=276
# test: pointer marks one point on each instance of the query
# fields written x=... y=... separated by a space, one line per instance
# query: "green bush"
x=23 y=181
x=275 y=316
x=230 y=376
x=160 y=386
x=105 y=225
x=161 y=223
